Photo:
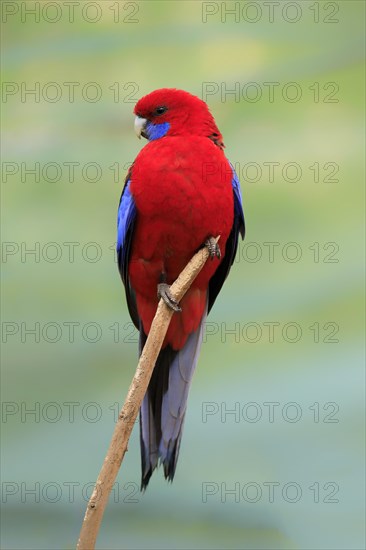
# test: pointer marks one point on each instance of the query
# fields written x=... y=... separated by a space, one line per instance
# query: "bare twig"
x=127 y=416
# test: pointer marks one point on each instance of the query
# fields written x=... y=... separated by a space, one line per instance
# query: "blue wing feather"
x=126 y=217
x=127 y=213
x=238 y=205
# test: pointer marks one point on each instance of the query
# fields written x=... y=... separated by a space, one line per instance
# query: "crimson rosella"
x=179 y=194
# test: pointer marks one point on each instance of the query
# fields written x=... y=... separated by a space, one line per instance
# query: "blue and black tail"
x=164 y=405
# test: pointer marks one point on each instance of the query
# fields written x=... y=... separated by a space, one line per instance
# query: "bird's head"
x=172 y=112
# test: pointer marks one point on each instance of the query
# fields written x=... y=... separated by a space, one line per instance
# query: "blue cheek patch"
x=156 y=131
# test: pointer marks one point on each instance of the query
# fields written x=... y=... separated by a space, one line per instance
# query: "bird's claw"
x=165 y=294
x=213 y=248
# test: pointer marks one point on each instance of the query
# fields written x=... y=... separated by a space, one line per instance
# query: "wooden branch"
x=127 y=416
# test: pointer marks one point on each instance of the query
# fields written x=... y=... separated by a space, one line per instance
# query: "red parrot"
x=179 y=194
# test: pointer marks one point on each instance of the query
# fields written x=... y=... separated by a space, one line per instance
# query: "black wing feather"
x=222 y=271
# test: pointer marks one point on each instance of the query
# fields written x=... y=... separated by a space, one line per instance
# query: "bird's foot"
x=165 y=294
x=213 y=248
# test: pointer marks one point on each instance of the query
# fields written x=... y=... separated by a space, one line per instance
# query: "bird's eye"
x=160 y=110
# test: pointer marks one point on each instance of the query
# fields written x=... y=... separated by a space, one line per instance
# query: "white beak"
x=139 y=125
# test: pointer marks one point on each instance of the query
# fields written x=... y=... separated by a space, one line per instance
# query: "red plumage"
x=182 y=188
x=180 y=192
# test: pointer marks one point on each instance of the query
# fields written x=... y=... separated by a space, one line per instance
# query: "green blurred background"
x=313 y=375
